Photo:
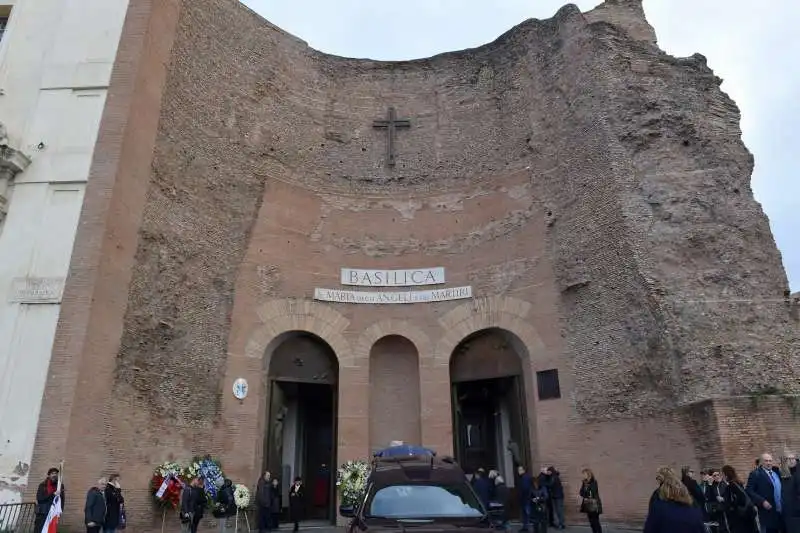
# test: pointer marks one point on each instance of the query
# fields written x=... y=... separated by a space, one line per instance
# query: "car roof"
x=416 y=469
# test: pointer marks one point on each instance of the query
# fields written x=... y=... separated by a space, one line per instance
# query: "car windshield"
x=424 y=501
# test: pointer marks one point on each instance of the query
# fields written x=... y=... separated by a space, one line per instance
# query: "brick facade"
x=592 y=190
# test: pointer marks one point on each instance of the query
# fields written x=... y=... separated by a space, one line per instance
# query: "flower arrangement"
x=171 y=495
x=211 y=471
x=351 y=481
x=241 y=496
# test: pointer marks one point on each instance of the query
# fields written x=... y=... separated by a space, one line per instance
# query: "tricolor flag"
x=51 y=524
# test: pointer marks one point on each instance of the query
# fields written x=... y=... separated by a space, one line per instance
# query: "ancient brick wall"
x=591 y=189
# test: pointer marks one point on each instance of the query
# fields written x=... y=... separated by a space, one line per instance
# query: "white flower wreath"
x=169 y=467
x=241 y=496
x=351 y=480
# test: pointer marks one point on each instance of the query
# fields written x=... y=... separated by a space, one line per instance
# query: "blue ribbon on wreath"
x=211 y=475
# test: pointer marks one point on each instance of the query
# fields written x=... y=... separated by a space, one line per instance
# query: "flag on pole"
x=51 y=523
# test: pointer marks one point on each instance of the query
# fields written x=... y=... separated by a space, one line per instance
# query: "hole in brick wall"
x=548 y=385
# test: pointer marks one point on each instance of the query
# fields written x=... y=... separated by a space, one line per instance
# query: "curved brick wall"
x=570 y=169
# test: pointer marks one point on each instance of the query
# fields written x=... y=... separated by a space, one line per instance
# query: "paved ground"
x=572 y=529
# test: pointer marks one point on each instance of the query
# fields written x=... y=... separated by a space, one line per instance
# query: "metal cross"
x=391 y=124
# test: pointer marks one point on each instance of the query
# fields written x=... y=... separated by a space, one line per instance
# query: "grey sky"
x=753 y=46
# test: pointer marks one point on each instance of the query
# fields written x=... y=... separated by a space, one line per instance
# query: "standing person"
x=193 y=505
x=264 y=502
x=501 y=496
x=297 y=496
x=557 y=497
x=790 y=494
x=687 y=478
x=45 y=495
x=524 y=494
x=674 y=510
x=740 y=512
x=764 y=488
x=539 y=511
x=591 y=503
x=94 y=512
x=277 y=503
x=226 y=506
x=114 y=504
x=482 y=487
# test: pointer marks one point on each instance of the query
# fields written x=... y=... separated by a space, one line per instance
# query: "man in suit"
x=764 y=488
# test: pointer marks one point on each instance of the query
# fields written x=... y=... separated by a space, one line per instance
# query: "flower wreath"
x=211 y=471
x=241 y=496
x=351 y=481
x=170 y=472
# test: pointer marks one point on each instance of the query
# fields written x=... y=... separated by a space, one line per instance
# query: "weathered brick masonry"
x=593 y=190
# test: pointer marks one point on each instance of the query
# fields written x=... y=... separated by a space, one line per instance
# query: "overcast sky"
x=753 y=46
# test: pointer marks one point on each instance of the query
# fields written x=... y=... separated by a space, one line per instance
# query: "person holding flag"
x=49 y=502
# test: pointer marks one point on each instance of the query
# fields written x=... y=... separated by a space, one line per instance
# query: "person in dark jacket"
x=524 y=494
x=45 y=495
x=501 y=496
x=114 y=504
x=482 y=487
x=687 y=478
x=277 y=503
x=297 y=500
x=764 y=488
x=226 y=505
x=591 y=503
x=94 y=512
x=790 y=484
x=674 y=510
x=557 y=497
x=740 y=512
x=539 y=512
x=193 y=505
x=264 y=503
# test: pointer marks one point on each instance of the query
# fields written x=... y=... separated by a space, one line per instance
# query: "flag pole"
x=60 y=475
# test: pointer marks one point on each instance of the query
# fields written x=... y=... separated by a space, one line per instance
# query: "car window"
x=424 y=501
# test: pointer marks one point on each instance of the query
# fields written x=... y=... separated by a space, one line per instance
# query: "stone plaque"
x=392 y=278
x=397 y=297
x=36 y=290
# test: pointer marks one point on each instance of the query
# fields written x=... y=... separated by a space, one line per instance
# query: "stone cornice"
x=12 y=162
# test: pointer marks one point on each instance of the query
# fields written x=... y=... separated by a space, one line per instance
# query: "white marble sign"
x=36 y=290
x=396 y=297
x=392 y=278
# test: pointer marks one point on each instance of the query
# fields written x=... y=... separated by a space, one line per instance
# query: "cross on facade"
x=391 y=124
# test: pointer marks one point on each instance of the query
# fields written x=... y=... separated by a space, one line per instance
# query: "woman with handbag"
x=591 y=504
x=740 y=511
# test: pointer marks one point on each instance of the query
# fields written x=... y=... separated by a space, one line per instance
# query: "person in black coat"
x=482 y=487
x=45 y=495
x=297 y=497
x=264 y=503
x=501 y=496
x=674 y=510
x=557 y=497
x=687 y=478
x=277 y=503
x=740 y=512
x=94 y=512
x=591 y=504
x=764 y=488
x=114 y=504
x=226 y=505
x=193 y=504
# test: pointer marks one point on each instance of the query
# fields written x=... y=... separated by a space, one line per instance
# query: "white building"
x=56 y=58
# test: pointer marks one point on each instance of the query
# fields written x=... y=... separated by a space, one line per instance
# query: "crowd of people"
x=541 y=498
x=769 y=502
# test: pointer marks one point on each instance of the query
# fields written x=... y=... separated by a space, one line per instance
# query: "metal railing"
x=17 y=517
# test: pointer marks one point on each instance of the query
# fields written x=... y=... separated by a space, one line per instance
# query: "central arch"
x=489 y=403
x=301 y=433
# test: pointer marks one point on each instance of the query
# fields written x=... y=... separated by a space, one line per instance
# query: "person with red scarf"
x=45 y=495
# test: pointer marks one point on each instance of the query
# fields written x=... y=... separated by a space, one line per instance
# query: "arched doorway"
x=490 y=420
x=303 y=373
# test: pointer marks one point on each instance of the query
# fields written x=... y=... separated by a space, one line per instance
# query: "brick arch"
x=387 y=327
x=492 y=312
x=278 y=317
x=502 y=312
